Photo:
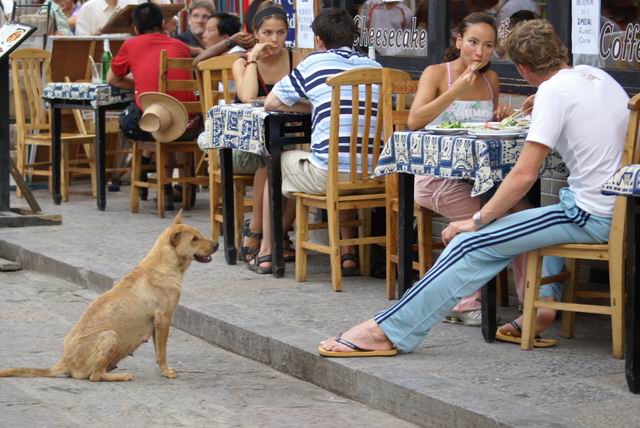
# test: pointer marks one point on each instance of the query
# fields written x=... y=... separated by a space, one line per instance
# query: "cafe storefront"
x=412 y=34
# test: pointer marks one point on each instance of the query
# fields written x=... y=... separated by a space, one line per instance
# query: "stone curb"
x=376 y=391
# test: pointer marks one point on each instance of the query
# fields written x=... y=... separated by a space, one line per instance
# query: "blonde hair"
x=534 y=43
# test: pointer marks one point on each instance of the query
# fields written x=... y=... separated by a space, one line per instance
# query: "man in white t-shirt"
x=581 y=113
x=95 y=13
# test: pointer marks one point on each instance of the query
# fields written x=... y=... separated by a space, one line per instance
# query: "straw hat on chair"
x=163 y=116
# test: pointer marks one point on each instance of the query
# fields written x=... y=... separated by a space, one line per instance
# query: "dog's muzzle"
x=206 y=258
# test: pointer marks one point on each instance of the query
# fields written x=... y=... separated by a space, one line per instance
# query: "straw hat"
x=163 y=116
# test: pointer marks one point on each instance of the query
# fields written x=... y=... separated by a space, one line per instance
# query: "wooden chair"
x=356 y=185
x=30 y=70
x=399 y=84
x=613 y=252
x=161 y=150
x=215 y=78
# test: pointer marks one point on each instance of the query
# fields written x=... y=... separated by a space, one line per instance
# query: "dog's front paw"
x=169 y=373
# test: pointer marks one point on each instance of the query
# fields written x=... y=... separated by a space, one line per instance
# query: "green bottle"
x=106 y=59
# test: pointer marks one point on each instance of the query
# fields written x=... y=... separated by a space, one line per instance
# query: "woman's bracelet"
x=252 y=61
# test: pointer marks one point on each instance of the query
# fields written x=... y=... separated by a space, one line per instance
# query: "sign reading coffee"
x=618 y=45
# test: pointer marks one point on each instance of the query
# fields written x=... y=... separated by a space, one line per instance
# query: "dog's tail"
x=29 y=372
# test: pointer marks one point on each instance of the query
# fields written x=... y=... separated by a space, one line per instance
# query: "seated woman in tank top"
x=254 y=74
x=463 y=89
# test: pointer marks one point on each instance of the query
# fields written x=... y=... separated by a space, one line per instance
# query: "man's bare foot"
x=543 y=319
x=366 y=336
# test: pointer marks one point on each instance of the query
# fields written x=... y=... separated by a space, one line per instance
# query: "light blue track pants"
x=472 y=259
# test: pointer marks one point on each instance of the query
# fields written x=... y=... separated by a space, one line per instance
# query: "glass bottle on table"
x=106 y=59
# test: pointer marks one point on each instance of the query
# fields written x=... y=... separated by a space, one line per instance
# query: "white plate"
x=445 y=131
x=502 y=133
x=492 y=126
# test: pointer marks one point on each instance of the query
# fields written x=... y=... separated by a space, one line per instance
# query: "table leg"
x=632 y=351
x=56 y=141
x=405 y=232
x=489 y=324
x=275 y=200
x=228 y=225
x=100 y=158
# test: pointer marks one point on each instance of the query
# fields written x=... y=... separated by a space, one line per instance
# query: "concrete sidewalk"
x=453 y=379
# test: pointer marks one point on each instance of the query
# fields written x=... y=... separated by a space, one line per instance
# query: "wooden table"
x=252 y=129
x=486 y=162
x=626 y=182
x=99 y=97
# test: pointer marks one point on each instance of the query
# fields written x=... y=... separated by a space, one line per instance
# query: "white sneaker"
x=468 y=318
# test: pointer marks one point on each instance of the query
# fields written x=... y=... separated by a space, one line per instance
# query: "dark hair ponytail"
x=452 y=52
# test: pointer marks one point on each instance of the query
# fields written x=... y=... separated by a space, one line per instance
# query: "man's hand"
x=527 y=105
x=457 y=227
x=244 y=40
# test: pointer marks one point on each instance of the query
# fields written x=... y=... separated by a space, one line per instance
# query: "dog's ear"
x=178 y=217
x=175 y=238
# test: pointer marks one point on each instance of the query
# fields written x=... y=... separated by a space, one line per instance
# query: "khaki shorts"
x=244 y=162
x=300 y=175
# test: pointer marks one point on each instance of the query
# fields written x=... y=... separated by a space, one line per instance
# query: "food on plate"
x=450 y=125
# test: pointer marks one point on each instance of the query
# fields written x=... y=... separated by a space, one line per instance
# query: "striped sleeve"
x=291 y=88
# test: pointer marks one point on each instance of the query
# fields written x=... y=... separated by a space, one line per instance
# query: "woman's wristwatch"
x=229 y=43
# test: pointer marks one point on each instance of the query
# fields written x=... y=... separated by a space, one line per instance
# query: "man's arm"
x=122 y=82
x=514 y=187
x=244 y=40
x=273 y=103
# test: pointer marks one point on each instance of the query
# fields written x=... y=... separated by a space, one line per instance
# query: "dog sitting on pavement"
x=140 y=305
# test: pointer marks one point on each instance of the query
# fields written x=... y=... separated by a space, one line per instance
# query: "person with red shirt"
x=140 y=57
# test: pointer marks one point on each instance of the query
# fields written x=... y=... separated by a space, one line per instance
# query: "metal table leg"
x=56 y=142
x=405 y=232
x=228 y=226
x=100 y=157
x=632 y=322
x=273 y=131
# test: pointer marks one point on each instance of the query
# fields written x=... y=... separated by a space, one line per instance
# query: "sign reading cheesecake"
x=406 y=38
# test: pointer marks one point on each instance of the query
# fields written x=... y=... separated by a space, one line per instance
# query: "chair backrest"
x=398 y=84
x=166 y=84
x=361 y=83
x=630 y=155
x=30 y=70
x=214 y=79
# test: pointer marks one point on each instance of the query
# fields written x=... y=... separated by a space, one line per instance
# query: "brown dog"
x=138 y=306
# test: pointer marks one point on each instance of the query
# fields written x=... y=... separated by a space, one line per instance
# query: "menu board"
x=12 y=34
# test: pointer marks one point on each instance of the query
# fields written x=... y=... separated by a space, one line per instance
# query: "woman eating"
x=462 y=89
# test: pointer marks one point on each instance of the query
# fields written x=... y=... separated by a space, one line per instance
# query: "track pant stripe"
x=482 y=241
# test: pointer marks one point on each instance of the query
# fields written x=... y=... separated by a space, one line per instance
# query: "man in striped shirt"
x=305 y=90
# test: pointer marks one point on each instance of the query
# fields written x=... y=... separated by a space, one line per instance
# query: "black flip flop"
x=350 y=271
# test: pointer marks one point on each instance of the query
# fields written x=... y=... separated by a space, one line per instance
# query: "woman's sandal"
x=254 y=264
x=349 y=271
x=287 y=246
x=538 y=341
x=248 y=253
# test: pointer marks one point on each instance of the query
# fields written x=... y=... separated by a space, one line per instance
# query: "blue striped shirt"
x=307 y=81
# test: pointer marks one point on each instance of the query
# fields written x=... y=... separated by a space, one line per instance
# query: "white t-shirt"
x=582 y=113
x=95 y=13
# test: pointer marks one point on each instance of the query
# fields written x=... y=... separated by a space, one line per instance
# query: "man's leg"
x=467 y=263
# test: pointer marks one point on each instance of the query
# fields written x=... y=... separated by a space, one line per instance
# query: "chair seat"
x=581 y=251
x=342 y=198
x=65 y=137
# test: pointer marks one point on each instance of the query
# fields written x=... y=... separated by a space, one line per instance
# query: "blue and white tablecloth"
x=235 y=126
x=625 y=182
x=99 y=94
x=458 y=157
